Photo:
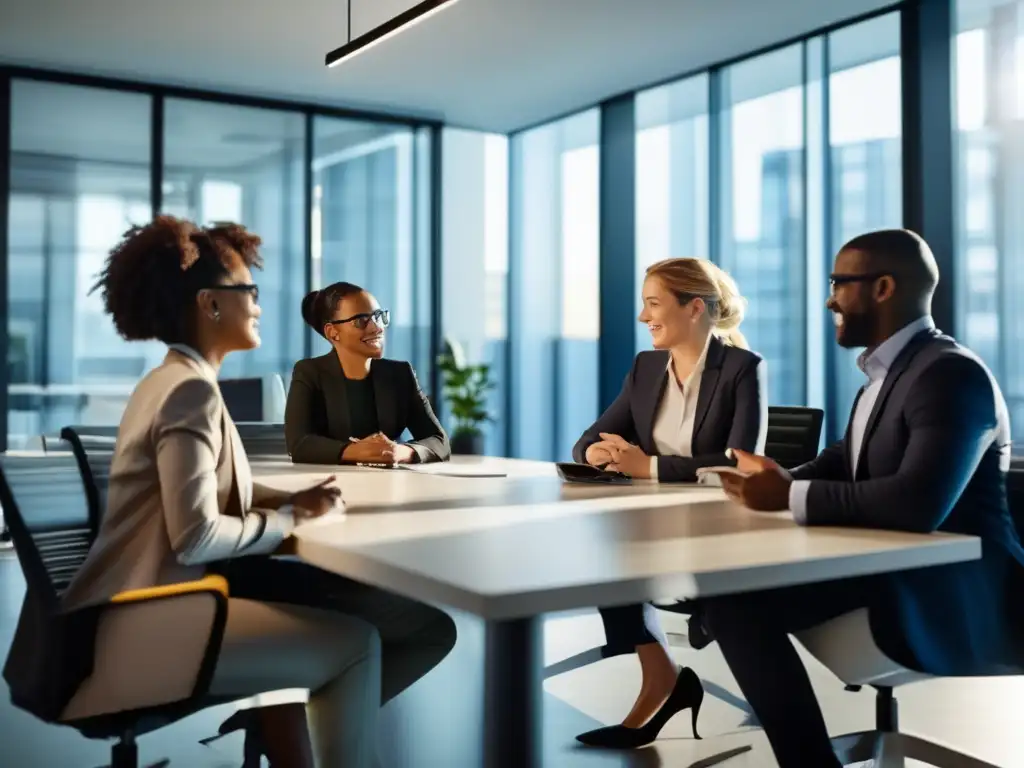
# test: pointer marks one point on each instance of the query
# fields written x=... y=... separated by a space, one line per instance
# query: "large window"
x=865 y=121
x=554 y=260
x=474 y=260
x=767 y=166
x=761 y=211
x=229 y=163
x=990 y=175
x=672 y=206
x=73 y=194
x=365 y=226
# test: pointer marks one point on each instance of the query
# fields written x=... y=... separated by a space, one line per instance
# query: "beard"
x=857 y=330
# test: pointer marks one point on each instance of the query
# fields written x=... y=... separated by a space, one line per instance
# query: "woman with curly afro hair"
x=182 y=498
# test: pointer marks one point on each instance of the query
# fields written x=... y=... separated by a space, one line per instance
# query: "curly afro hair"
x=151 y=278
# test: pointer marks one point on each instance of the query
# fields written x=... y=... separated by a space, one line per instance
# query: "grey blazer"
x=732 y=410
x=316 y=418
x=181 y=491
x=934 y=456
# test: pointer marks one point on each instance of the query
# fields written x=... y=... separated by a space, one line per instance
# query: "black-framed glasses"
x=867 y=277
x=251 y=288
x=380 y=317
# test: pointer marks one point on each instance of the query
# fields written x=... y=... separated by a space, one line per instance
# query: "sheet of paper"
x=712 y=475
x=442 y=469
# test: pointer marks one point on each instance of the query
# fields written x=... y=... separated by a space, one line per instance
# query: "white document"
x=712 y=475
x=443 y=469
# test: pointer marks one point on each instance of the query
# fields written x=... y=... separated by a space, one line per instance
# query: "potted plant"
x=465 y=391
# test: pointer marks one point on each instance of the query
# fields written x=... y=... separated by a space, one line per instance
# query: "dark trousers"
x=415 y=637
x=753 y=632
x=627 y=626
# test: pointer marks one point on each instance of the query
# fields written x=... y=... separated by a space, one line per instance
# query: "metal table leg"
x=513 y=693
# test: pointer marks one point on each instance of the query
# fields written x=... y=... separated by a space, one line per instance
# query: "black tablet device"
x=584 y=473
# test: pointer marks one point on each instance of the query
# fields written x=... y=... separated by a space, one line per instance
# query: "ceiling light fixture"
x=389 y=28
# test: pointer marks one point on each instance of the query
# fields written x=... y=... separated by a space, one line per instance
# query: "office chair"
x=50 y=520
x=263 y=441
x=257 y=399
x=847 y=648
x=794 y=435
x=94 y=454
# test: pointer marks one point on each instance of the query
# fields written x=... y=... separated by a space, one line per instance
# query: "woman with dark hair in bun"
x=351 y=405
x=182 y=498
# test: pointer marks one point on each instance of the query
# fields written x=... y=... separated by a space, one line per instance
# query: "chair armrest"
x=212 y=584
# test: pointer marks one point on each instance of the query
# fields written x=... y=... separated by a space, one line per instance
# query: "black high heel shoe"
x=688 y=693
x=243 y=720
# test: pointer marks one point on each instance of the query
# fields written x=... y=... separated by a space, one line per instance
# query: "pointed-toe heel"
x=242 y=720
x=688 y=693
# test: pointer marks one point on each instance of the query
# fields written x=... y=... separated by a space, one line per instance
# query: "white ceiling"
x=497 y=65
x=113 y=126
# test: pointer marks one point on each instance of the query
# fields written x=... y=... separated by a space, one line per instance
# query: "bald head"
x=904 y=255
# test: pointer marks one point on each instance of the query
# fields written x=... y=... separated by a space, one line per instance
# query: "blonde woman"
x=699 y=393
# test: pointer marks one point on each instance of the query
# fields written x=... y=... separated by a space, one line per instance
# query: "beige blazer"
x=181 y=490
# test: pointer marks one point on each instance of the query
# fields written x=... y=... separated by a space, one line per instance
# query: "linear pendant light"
x=389 y=28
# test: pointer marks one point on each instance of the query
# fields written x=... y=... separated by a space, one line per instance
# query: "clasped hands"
x=615 y=454
x=378 y=448
x=764 y=486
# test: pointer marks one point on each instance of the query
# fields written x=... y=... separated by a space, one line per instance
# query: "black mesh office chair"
x=793 y=435
x=51 y=521
x=257 y=399
x=263 y=441
x=94 y=454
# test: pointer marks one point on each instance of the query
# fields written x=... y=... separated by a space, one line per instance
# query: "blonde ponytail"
x=732 y=308
x=699 y=277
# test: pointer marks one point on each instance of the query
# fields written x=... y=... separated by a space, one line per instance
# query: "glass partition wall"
x=334 y=198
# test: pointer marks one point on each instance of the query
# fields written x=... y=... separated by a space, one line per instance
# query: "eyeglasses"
x=868 y=277
x=250 y=288
x=380 y=317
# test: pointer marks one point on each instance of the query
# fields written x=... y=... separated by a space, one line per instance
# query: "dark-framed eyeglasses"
x=867 y=277
x=251 y=288
x=380 y=317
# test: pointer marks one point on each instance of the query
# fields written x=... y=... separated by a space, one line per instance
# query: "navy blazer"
x=732 y=410
x=316 y=417
x=934 y=456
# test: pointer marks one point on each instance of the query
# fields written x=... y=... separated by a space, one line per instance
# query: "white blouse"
x=677 y=413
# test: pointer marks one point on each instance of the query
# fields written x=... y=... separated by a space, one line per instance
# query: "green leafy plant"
x=465 y=391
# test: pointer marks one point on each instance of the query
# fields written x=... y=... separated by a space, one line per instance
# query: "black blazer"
x=316 y=420
x=934 y=456
x=732 y=410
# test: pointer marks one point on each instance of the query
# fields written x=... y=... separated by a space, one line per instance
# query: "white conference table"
x=511 y=549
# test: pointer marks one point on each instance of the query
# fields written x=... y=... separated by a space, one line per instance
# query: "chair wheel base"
x=893 y=749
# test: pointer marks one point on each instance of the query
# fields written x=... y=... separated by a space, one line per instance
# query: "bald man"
x=927 y=448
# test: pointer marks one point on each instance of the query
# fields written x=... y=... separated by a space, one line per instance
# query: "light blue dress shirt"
x=875 y=364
